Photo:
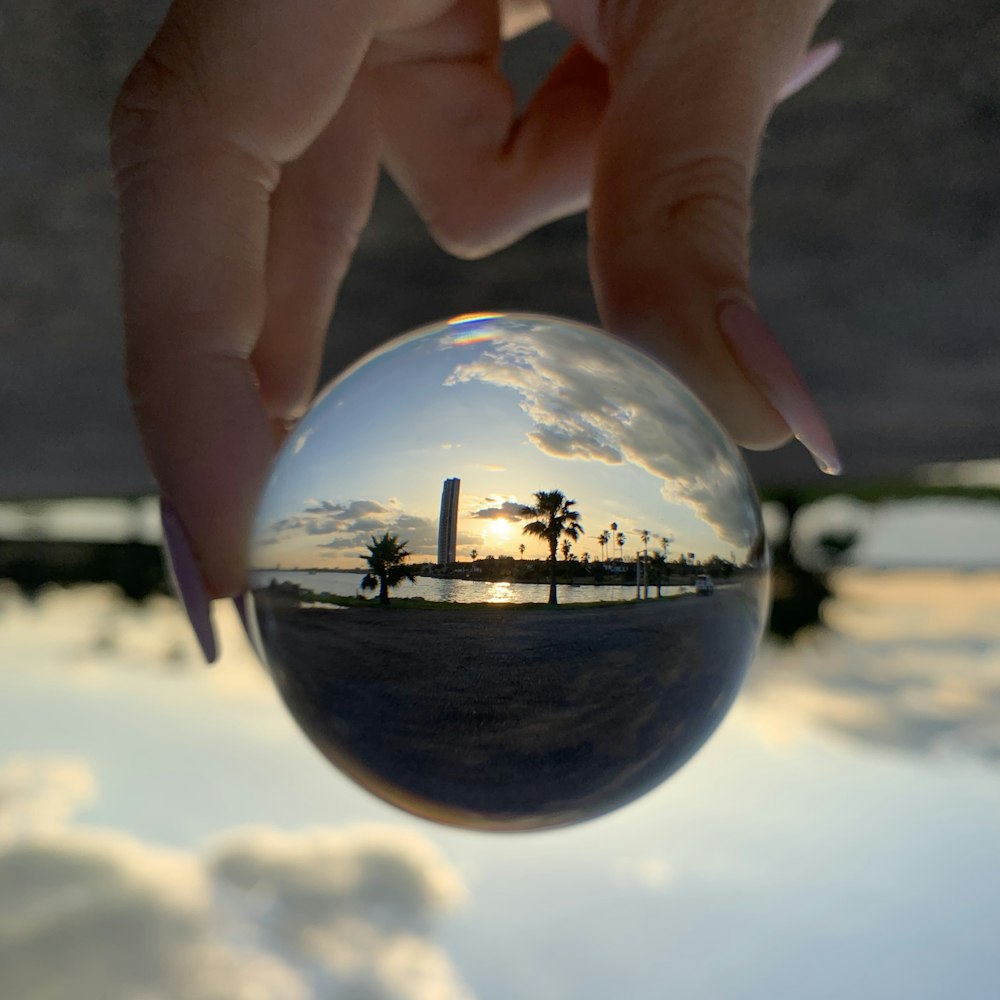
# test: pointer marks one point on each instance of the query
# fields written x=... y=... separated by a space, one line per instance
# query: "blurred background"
x=165 y=831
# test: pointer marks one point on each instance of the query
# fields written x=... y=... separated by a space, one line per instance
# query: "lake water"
x=459 y=591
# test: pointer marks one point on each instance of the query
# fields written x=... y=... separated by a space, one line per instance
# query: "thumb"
x=693 y=85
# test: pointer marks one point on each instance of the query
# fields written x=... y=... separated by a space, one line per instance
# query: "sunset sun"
x=498 y=530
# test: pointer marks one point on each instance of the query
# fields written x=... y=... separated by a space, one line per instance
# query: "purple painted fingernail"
x=770 y=369
x=245 y=609
x=188 y=585
x=815 y=61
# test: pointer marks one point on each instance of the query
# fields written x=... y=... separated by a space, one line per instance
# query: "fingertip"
x=188 y=585
x=813 y=64
x=760 y=355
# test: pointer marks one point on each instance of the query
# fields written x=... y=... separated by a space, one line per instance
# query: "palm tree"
x=602 y=539
x=621 y=544
x=554 y=517
x=385 y=565
x=658 y=564
x=473 y=554
x=612 y=536
x=521 y=549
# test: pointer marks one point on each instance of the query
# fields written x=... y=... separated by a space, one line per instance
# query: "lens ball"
x=508 y=573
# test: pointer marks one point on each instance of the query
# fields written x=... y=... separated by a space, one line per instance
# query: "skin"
x=246 y=144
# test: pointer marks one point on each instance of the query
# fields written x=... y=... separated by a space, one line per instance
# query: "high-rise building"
x=448 y=522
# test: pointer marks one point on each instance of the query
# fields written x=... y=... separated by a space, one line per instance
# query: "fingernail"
x=188 y=585
x=770 y=369
x=815 y=61
x=245 y=609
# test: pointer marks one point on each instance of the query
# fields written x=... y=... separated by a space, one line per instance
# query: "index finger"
x=227 y=93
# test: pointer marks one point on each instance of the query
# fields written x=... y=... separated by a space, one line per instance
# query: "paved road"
x=512 y=716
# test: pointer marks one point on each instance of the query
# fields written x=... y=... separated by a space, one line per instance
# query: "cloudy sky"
x=510 y=406
x=166 y=828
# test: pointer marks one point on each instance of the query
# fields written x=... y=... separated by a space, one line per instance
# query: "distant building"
x=448 y=522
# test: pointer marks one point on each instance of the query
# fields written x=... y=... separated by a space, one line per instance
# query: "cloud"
x=352 y=524
x=300 y=440
x=40 y=793
x=651 y=873
x=910 y=660
x=259 y=914
x=585 y=404
x=509 y=509
x=350 y=542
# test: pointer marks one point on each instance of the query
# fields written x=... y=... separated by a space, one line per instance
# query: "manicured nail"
x=813 y=63
x=770 y=369
x=244 y=608
x=188 y=585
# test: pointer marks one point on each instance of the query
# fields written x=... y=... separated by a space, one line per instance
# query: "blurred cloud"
x=40 y=793
x=90 y=635
x=259 y=914
x=910 y=660
x=585 y=405
x=652 y=873
x=931 y=532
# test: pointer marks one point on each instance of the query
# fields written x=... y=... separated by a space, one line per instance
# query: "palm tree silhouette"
x=602 y=539
x=554 y=517
x=612 y=535
x=385 y=559
x=621 y=543
x=473 y=554
x=521 y=549
x=660 y=570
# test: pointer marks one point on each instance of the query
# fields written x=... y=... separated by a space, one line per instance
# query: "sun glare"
x=498 y=530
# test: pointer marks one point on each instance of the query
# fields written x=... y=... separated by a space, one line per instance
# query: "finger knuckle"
x=164 y=87
x=703 y=203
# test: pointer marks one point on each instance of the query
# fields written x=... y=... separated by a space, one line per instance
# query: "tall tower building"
x=448 y=522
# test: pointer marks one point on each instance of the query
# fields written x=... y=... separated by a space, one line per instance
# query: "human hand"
x=246 y=145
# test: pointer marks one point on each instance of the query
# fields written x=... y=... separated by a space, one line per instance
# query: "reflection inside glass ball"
x=508 y=573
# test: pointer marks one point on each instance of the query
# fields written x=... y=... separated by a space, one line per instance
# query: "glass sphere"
x=508 y=573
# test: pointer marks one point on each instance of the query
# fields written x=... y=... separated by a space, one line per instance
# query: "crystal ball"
x=508 y=573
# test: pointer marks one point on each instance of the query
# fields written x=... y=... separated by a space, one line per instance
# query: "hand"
x=246 y=145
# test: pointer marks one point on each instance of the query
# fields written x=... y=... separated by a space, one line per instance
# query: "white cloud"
x=41 y=793
x=261 y=914
x=352 y=524
x=911 y=660
x=588 y=399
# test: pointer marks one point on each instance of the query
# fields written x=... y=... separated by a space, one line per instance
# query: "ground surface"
x=507 y=716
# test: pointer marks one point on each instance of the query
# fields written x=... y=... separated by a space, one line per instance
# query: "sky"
x=165 y=828
x=511 y=406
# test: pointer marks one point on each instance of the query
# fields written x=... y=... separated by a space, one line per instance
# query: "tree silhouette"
x=602 y=539
x=473 y=554
x=521 y=549
x=660 y=570
x=621 y=544
x=554 y=517
x=385 y=559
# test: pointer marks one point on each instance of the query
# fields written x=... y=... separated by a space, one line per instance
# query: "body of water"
x=460 y=591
